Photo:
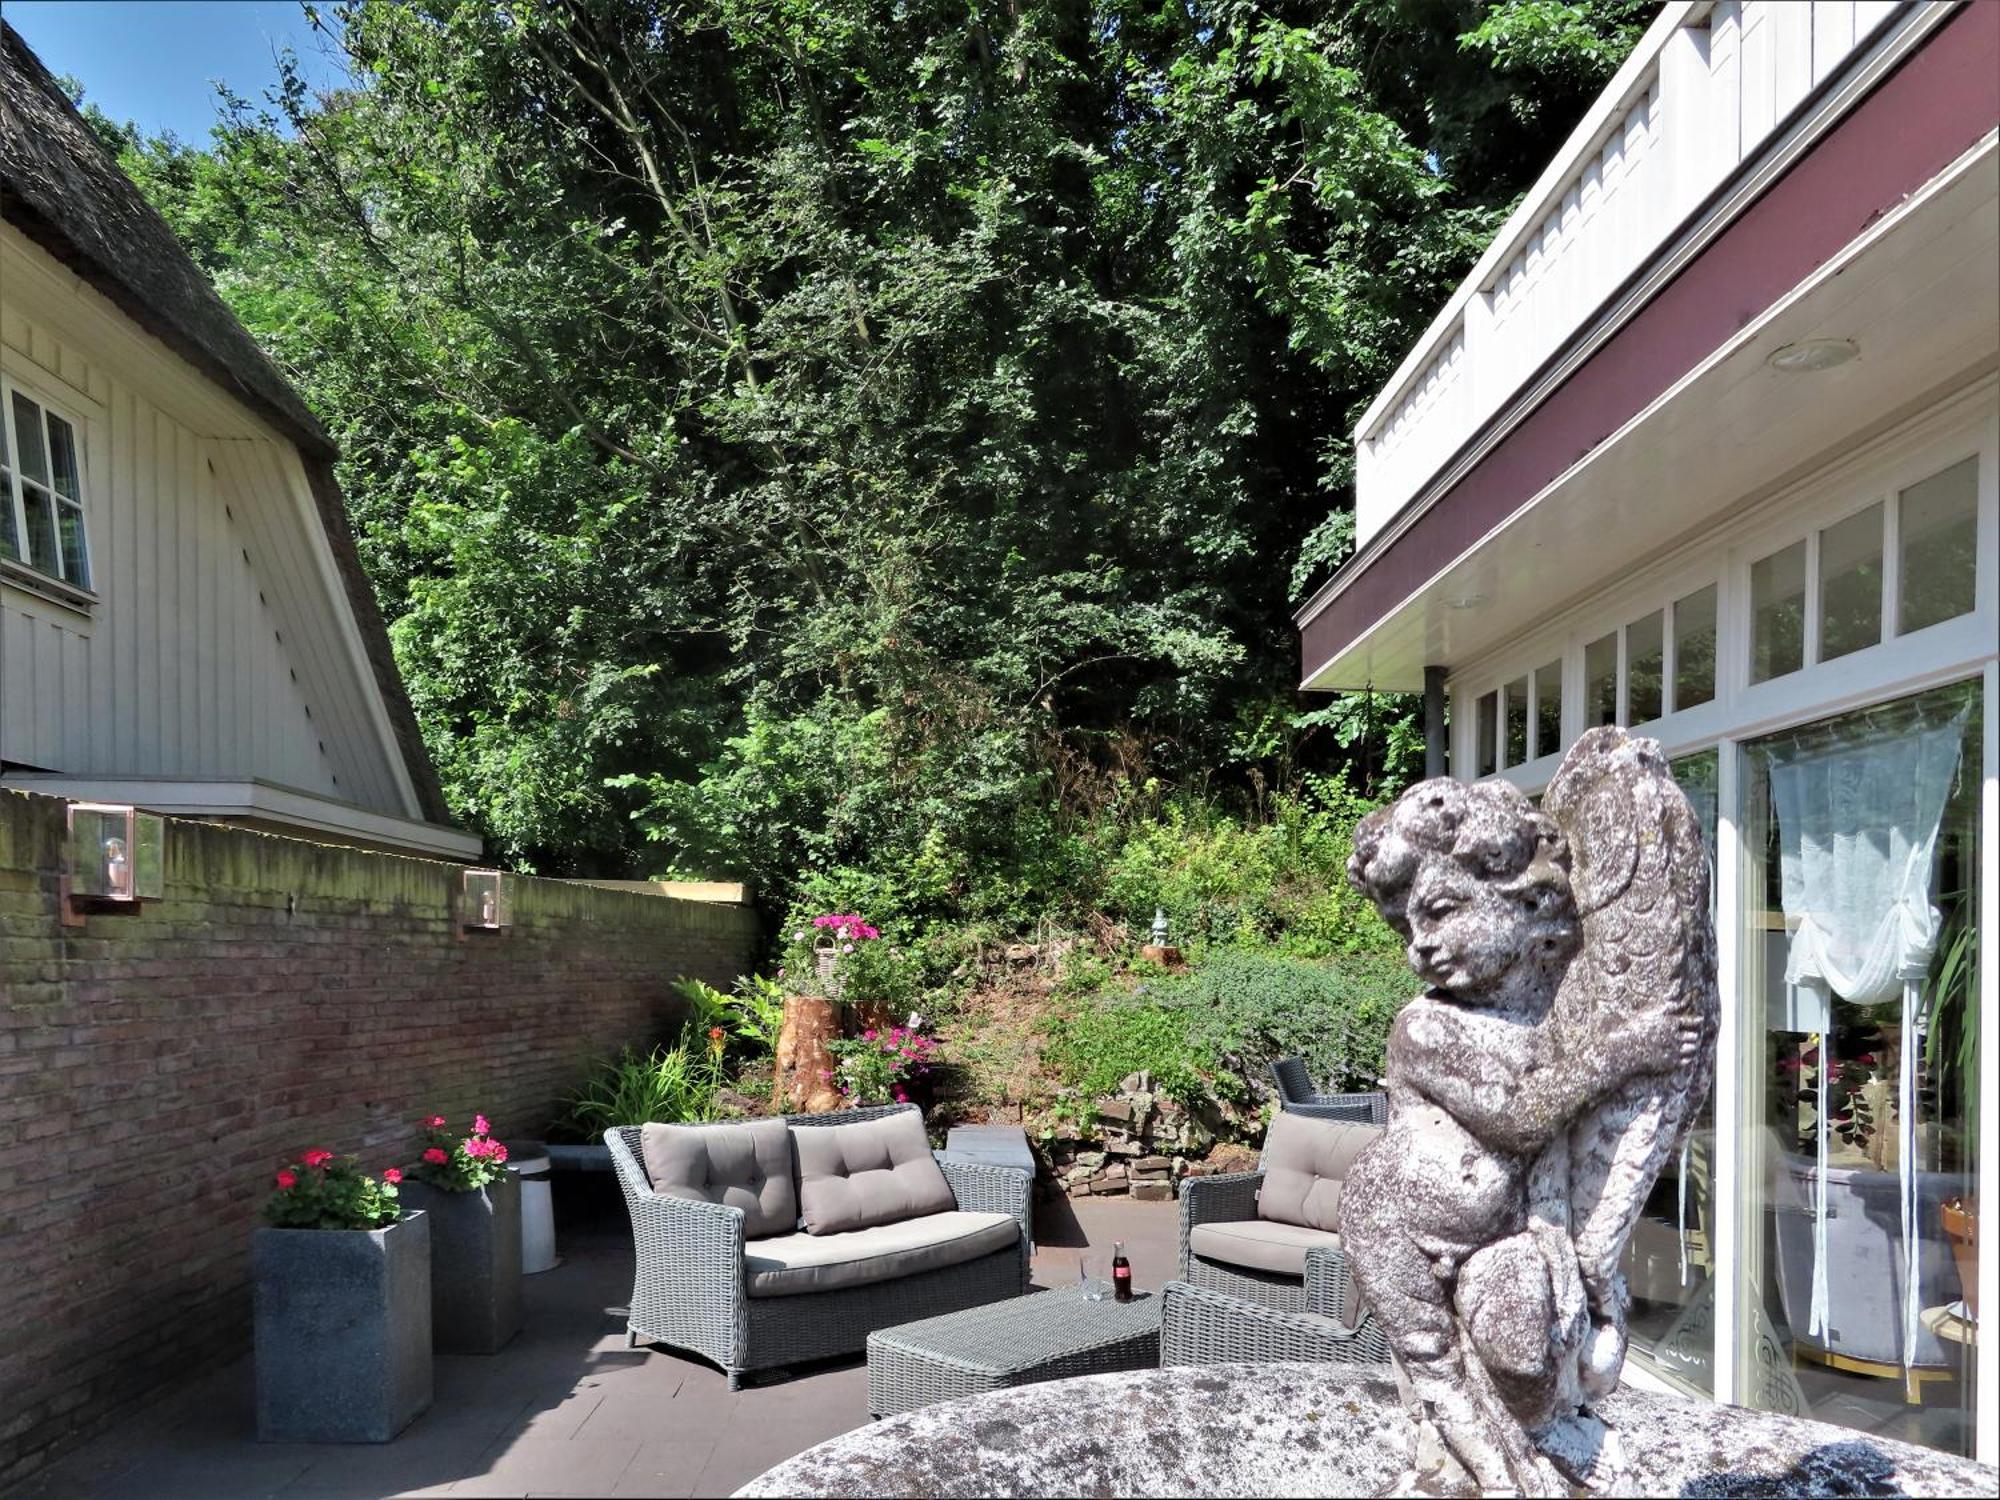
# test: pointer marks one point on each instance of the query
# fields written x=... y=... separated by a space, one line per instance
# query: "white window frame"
x=20 y=570
x=1966 y=647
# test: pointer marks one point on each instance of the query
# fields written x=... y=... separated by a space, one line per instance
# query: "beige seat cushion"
x=745 y=1166
x=868 y=1172
x=1260 y=1244
x=795 y=1263
x=1305 y=1169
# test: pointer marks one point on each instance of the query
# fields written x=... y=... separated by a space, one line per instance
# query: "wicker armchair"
x=1201 y=1327
x=690 y=1286
x=1296 y=1096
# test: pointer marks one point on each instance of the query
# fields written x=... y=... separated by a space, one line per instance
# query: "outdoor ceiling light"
x=114 y=860
x=485 y=902
x=1812 y=354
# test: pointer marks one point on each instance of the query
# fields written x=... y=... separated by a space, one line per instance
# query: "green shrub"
x=668 y=1085
x=1095 y=1046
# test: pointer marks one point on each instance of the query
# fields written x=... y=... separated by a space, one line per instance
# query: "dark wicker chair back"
x=1294 y=1083
x=1296 y=1096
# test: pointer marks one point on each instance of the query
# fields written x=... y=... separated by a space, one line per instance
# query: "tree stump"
x=801 y=1081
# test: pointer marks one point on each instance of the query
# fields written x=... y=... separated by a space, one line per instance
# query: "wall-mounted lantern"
x=115 y=859
x=485 y=902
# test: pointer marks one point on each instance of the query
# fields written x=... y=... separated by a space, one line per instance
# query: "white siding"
x=218 y=646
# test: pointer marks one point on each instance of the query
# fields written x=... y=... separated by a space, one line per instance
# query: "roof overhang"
x=1881 y=232
x=261 y=803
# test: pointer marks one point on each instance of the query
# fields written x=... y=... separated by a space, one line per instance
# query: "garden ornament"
x=1557 y=1059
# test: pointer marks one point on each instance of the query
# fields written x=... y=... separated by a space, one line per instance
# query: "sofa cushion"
x=794 y=1263
x=868 y=1172
x=745 y=1166
x=1305 y=1169
x=1260 y=1244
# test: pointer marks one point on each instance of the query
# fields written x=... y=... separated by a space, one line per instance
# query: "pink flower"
x=473 y=1147
x=868 y=1035
x=435 y=1122
x=437 y=1156
x=847 y=947
x=480 y=1127
x=498 y=1153
x=319 y=1156
x=392 y=1174
x=288 y=1179
x=901 y=1097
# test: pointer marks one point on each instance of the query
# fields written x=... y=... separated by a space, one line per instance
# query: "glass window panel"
x=1485 y=723
x=1549 y=709
x=28 y=434
x=41 y=527
x=1600 y=682
x=1875 y=777
x=75 y=564
x=1645 y=667
x=1850 y=584
x=1694 y=649
x=1671 y=1259
x=1938 y=547
x=3 y=444
x=1515 y=696
x=1778 y=613
x=62 y=454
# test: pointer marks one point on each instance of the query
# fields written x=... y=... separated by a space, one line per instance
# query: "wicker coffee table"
x=1046 y=1336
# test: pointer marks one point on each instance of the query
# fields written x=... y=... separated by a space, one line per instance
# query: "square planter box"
x=475 y=1263
x=343 y=1331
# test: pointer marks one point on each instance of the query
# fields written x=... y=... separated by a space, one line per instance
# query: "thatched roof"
x=61 y=188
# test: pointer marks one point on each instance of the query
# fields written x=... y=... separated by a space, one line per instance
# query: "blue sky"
x=152 y=60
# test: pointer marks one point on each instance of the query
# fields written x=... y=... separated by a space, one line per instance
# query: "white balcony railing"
x=1702 y=91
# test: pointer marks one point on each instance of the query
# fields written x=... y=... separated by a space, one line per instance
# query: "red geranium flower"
x=288 y=1179
x=498 y=1152
x=319 y=1156
x=436 y=1155
x=392 y=1174
x=435 y=1122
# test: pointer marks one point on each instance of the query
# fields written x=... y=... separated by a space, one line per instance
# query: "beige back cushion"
x=868 y=1172
x=1305 y=1169
x=746 y=1166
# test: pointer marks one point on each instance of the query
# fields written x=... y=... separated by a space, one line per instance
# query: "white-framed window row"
x=1874 y=580
x=44 y=494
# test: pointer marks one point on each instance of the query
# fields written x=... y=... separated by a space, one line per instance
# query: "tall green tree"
x=847 y=444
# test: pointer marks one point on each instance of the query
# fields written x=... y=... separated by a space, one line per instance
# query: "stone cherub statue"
x=1536 y=1089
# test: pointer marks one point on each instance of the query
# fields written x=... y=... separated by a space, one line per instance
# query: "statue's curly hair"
x=1489 y=828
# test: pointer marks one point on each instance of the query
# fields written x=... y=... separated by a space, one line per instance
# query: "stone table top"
x=1313 y=1430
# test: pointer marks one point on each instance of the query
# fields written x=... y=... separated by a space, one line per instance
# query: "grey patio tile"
x=665 y=1469
x=551 y=1468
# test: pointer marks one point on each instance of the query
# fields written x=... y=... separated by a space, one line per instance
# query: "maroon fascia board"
x=1931 y=110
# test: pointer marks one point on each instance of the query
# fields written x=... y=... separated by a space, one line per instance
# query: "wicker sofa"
x=749 y=1303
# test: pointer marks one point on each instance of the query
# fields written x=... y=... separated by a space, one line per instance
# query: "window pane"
x=1517 y=721
x=1694 y=649
x=1939 y=547
x=75 y=565
x=1600 y=682
x=1645 y=667
x=62 y=453
x=1850 y=584
x=41 y=527
x=1778 y=614
x=1485 y=758
x=1823 y=1087
x=28 y=433
x=1549 y=709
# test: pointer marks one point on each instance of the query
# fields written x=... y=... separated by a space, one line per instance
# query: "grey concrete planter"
x=475 y=1263
x=343 y=1331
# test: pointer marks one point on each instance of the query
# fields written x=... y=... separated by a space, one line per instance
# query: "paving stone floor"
x=565 y=1409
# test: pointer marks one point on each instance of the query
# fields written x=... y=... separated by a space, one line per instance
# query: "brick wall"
x=157 y=1067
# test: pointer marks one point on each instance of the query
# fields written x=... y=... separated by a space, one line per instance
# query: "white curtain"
x=1857 y=834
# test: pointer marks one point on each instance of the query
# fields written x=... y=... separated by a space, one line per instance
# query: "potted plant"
x=342 y=1279
x=881 y=1067
x=474 y=1205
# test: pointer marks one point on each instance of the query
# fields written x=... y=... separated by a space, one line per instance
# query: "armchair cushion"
x=739 y=1166
x=870 y=1172
x=1305 y=1169
x=1259 y=1244
x=795 y=1263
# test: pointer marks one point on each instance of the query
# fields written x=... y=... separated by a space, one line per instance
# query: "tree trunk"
x=802 y=1080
